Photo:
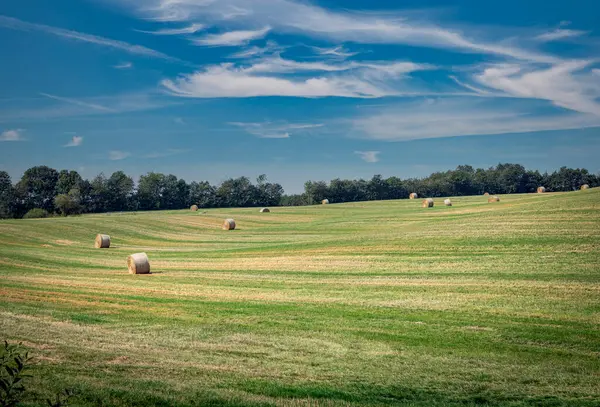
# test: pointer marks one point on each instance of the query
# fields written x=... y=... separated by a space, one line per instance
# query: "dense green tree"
x=67 y=180
x=118 y=192
x=150 y=191
x=202 y=194
x=98 y=192
x=68 y=204
x=37 y=188
x=7 y=196
x=237 y=192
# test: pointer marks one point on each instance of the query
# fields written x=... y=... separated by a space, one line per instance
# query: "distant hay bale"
x=194 y=208
x=102 y=242
x=138 y=263
x=229 y=224
x=263 y=210
x=447 y=202
x=585 y=186
x=493 y=199
x=325 y=202
x=428 y=203
x=413 y=195
x=541 y=190
x=486 y=194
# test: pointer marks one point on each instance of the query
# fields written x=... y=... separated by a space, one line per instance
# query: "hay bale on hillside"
x=585 y=186
x=229 y=224
x=263 y=210
x=413 y=195
x=486 y=194
x=541 y=190
x=447 y=202
x=325 y=202
x=102 y=241
x=493 y=199
x=428 y=203
x=194 y=208
x=138 y=263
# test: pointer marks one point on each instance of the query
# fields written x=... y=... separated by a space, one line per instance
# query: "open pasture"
x=363 y=304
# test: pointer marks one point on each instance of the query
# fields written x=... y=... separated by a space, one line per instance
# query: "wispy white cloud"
x=276 y=130
x=338 y=51
x=449 y=117
x=564 y=84
x=232 y=38
x=299 y=17
x=277 y=64
x=16 y=24
x=12 y=135
x=227 y=80
x=75 y=141
x=368 y=156
x=190 y=29
x=52 y=106
x=117 y=155
x=76 y=102
x=271 y=47
x=167 y=153
x=124 y=65
x=559 y=34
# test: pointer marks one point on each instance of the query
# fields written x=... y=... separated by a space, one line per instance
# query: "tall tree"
x=37 y=188
x=202 y=194
x=67 y=180
x=119 y=191
x=150 y=191
x=7 y=196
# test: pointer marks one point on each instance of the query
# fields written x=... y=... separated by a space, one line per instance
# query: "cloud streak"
x=559 y=34
x=231 y=38
x=371 y=80
x=12 y=135
x=117 y=155
x=368 y=156
x=295 y=17
x=16 y=24
x=190 y=29
x=450 y=117
x=75 y=142
x=277 y=130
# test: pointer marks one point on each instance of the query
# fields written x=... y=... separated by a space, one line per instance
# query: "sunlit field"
x=364 y=304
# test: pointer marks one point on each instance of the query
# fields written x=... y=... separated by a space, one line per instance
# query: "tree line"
x=42 y=190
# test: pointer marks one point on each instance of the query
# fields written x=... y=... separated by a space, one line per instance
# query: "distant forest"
x=44 y=191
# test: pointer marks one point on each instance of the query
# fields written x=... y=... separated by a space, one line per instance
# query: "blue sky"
x=211 y=89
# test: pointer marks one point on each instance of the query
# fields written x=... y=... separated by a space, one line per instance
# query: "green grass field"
x=364 y=304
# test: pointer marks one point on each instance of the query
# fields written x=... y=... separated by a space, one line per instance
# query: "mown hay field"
x=363 y=304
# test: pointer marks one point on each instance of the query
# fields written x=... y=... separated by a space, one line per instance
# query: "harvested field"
x=465 y=305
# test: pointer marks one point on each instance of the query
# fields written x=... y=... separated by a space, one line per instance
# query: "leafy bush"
x=13 y=364
x=36 y=213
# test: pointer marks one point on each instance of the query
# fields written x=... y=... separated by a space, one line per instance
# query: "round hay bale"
x=325 y=202
x=486 y=194
x=229 y=224
x=428 y=203
x=585 y=186
x=263 y=210
x=447 y=202
x=102 y=241
x=541 y=190
x=138 y=263
x=413 y=195
x=194 y=208
x=493 y=199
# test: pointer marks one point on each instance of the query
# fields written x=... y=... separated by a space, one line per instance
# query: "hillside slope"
x=374 y=303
